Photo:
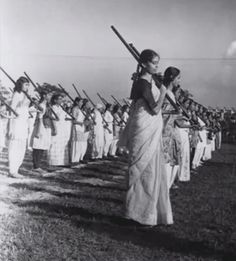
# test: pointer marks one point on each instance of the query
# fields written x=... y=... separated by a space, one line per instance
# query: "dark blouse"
x=142 y=89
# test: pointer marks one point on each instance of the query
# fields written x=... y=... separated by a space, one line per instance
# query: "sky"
x=70 y=41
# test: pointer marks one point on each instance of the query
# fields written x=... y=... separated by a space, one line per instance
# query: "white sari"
x=147 y=199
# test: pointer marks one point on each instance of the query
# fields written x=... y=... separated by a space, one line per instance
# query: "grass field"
x=76 y=214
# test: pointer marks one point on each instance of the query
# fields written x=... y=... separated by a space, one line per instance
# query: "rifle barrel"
x=135 y=53
x=102 y=99
x=68 y=95
x=27 y=76
x=76 y=90
x=114 y=98
x=7 y=105
x=9 y=77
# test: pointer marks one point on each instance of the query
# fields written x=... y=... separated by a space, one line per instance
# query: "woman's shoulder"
x=17 y=95
x=143 y=81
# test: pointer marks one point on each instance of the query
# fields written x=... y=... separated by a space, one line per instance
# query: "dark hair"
x=176 y=88
x=42 y=95
x=115 y=108
x=54 y=98
x=125 y=107
x=170 y=74
x=108 y=106
x=147 y=56
x=84 y=103
x=77 y=99
x=19 y=83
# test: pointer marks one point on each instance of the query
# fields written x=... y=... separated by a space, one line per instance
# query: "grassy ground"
x=76 y=214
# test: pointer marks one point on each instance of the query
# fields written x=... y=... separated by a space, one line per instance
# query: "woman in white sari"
x=183 y=125
x=147 y=199
x=18 y=128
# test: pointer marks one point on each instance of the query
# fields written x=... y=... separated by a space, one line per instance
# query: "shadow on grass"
x=122 y=230
x=61 y=194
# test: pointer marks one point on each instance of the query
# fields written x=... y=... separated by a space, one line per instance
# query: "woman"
x=58 y=154
x=4 y=116
x=116 y=130
x=18 y=127
x=41 y=136
x=108 y=135
x=78 y=139
x=171 y=135
x=98 y=133
x=183 y=126
x=147 y=198
x=124 y=120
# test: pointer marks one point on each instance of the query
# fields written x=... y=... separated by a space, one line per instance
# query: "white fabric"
x=147 y=199
x=108 y=136
x=58 y=153
x=213 y=143
x=43 y=141
x=79 y=137
x=2 y=133
x=171 y=172
x=98 y=141
x=198 y=154
x=184 y=168
x=113 y=147
x=18 y=132
x=31 y=122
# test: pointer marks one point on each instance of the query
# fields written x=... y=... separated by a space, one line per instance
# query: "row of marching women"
x=165 y=134
x=60 y=134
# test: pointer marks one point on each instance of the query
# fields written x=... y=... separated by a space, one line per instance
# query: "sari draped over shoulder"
x=171 y=135
x=147 y=199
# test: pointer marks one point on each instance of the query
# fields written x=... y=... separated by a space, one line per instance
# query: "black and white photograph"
x=117 y=130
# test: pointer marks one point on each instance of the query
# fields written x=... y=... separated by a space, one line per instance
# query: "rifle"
x=9 y=77
x=37 y=89
x=177 y=102
x=126 y=103
x=8 y=106
x=53 y=130
x=102 y=99
x=106 y=123
x=26 y=94
x=68 y=95
x=116 y=100
x=105 y=103
x=77 y=91
x=73 y=100
x=136 y=55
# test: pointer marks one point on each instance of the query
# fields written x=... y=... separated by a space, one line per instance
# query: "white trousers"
x=83 y=149
x=108 y=138
x=207 y=152
x=198 y=154
x=78 y=150
x=16 y=153
x=113 y=147
x=171 y=172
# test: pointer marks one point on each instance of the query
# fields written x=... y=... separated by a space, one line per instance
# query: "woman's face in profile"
x=25 y=86
x=152 y=66
x=176 y=81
